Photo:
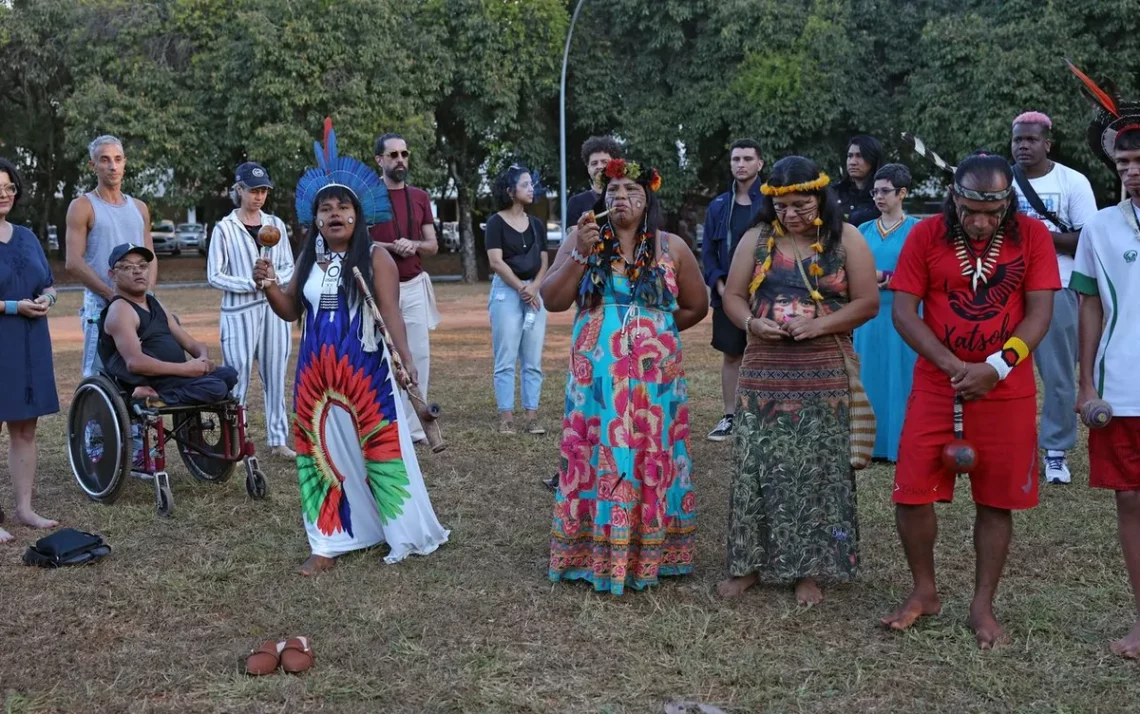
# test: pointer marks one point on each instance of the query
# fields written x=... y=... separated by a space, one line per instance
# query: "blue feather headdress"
x=333 y=169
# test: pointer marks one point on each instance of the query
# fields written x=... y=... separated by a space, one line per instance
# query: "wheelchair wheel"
x=204 y=430
x=99 y=443
x=255 y=484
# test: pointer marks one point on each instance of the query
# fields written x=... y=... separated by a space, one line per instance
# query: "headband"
x=344 y=172
x=986 y=196
x=817 y=184
x=620 y=168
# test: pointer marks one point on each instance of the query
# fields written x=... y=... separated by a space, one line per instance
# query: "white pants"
x=255 y=332
x=417 y=305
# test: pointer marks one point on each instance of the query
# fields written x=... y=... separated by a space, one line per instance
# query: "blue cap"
x=122 y=250
x=252 y=175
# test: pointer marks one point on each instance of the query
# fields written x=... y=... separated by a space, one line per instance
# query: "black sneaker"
x=723 y=429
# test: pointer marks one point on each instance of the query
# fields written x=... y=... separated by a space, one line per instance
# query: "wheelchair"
x=105 y=427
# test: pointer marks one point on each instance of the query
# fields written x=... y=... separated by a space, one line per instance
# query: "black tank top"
x=154 y=335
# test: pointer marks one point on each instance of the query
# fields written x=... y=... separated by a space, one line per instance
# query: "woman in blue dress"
x=887 y=361
x=27 y=296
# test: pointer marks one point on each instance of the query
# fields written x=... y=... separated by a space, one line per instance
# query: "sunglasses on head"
x=398 y=154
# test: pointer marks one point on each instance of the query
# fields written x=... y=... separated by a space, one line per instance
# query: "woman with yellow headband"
x=800 y=282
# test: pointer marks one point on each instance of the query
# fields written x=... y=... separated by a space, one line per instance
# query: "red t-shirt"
x=404 y=226
x=975 y=325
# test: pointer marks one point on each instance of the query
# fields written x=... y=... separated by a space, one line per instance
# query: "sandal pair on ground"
x=292 y=656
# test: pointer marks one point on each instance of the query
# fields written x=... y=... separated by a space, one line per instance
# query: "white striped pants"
x=255 y=332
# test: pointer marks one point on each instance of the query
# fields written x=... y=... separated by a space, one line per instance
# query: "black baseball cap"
x=124 y=249
x=252 y=175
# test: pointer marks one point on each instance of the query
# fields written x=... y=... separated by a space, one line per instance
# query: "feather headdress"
x=1112 y=116
x=335 y=170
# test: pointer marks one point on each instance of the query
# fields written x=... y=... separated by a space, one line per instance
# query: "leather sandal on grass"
x=297 y=655
x=265 y=659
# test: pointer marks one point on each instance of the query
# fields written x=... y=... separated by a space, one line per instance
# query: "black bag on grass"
x=66 y=546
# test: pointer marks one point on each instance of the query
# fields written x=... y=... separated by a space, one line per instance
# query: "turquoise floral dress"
x=625 y=512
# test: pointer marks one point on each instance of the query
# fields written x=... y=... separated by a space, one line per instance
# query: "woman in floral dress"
x=800 y=279
x=625 y=512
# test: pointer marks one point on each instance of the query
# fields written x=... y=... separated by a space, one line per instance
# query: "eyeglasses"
x=398 y=154
x=134 y=268
x=876 y=192
x=9 y=190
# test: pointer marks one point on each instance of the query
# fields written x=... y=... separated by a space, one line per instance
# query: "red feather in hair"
x=1099 y=95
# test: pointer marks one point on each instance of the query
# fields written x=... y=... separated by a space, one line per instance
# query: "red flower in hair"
x=615 y=168
x=654 y=180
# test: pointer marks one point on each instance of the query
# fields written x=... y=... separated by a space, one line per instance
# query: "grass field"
x=163 y=624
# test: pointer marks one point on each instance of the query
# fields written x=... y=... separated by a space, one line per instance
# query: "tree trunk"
x=463 y=197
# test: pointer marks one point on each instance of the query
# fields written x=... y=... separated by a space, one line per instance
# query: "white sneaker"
x=283 y=452
x=1057 y=468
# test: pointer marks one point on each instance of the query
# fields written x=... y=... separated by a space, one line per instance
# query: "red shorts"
x=1004 y=432
x=1114 y=455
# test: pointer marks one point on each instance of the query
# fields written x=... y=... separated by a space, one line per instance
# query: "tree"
x=501 y=64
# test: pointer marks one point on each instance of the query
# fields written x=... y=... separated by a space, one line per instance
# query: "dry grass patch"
x=162 y=625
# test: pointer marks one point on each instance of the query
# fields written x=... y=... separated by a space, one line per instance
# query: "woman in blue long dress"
x=887 y=361
x=625 y=511
x=27 y=296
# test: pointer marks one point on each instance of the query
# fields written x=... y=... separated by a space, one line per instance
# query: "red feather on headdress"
x=1097 y=94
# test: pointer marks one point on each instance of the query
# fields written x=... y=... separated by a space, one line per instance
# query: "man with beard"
x=249 y=328
x=728 y=217
x=98 y=221
x=409 y=236
x=985 y=276
x=596 y=153
x=1063 y=199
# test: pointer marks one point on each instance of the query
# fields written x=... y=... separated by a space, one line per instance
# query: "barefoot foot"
x=35 y=520
x=734 y=587
x=915 y=606
x=317 y=564
x=808 y=592
x=987 y=630
x=5 y=536
x=1129 y=645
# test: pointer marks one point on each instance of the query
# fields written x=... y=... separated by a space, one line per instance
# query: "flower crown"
x=620 y=168
x=805 y=187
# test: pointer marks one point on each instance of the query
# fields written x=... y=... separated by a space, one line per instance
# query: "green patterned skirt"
x=792 y=512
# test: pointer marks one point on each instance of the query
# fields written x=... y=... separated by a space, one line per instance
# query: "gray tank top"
x=113 y=225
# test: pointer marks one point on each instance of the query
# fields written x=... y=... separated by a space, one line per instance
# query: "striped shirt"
x=233 y=252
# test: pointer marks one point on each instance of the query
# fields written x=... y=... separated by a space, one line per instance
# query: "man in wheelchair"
x=144 y=350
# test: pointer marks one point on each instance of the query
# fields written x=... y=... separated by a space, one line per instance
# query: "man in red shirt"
x=985 y=276
x=408 y=236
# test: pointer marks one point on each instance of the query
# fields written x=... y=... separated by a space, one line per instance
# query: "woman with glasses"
x=800 y=281
x=888 y=362
x=516 y=250
x=27 y=297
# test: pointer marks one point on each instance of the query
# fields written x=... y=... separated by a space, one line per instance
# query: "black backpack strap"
x=1035 y=200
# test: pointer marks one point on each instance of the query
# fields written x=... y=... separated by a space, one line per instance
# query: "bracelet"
x=748 y=325
x=997 y=361
x=579 y=258
x=11 y=307
x=51 y=299
x=1015 y=351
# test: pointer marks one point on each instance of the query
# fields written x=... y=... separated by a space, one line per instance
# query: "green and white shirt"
x=1108 y=264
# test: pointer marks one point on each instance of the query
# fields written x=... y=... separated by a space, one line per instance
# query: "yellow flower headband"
x=805 y=187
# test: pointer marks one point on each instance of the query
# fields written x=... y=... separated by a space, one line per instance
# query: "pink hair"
x=1034 y=118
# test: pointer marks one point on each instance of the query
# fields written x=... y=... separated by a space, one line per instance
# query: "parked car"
x=553 y=235
x=165 y=238
x=192 y=236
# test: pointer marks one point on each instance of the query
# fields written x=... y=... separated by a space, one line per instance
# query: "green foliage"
x=194 y=87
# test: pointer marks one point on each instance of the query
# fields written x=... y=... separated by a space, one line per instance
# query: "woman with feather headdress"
x=360 y=480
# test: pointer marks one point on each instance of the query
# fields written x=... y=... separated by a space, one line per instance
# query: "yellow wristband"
x=1014 y=351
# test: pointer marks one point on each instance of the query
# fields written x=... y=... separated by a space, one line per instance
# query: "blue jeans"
x=513 y=344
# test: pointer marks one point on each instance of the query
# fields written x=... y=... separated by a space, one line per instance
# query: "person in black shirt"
x=516 y=250
x=596 y=153
x=864 y=157
x=143 y=348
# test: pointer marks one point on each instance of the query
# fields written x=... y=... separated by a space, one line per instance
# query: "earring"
x=320 y=223
x=351 y=220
